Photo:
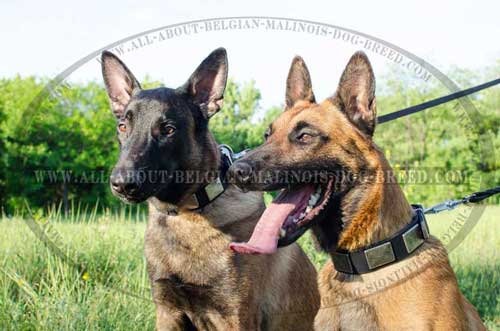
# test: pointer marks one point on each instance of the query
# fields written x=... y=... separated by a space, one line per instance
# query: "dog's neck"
x=232 y=207
x=179 y=193
x=372 y=210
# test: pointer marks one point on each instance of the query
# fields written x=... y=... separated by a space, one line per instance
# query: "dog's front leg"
x=169 y=319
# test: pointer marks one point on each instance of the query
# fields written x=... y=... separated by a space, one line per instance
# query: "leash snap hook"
x=239 y=155
x=447 y=205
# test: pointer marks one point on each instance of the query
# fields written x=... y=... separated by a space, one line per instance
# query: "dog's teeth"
x=313 y=199
x=308 y=209
x=282 y=233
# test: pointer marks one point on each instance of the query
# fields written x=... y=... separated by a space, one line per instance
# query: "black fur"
x=153 y=161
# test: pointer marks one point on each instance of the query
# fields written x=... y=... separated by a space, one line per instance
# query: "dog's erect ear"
x=120 y=82
x=207 y=83
x=356 y=93
x=298 y=83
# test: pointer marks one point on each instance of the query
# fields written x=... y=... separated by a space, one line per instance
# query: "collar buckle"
x=214 y=189
x=227 y=152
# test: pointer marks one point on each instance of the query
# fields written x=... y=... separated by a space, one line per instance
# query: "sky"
x=46 y=37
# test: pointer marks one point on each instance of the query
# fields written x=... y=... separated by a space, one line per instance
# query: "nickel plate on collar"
x=413 y=238
x=214 y=189
x=379 y=255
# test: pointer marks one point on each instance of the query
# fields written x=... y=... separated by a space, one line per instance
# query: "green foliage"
x=236 y=124
x=70 y=128
x=453 y=145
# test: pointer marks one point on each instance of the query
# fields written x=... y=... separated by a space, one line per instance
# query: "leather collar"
x=208 y=193
x=385 y=252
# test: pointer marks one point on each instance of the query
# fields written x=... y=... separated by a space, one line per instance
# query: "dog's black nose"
x=123 y=183
x=241 y=172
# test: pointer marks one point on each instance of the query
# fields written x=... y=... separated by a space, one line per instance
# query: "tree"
x=238 y=123
x=68 y=132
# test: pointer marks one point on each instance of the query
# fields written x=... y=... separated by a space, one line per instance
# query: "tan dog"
x=198 y=283
x=385 y=272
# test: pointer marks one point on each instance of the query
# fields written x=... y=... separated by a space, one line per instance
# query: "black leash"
x=435 y=102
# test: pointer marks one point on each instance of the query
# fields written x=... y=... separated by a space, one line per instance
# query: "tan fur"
x=418 y=293
x=197 y=282
x=428 y=297
x=196 y=276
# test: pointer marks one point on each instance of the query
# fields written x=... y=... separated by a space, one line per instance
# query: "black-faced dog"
x=198 y=283
x=387 y=273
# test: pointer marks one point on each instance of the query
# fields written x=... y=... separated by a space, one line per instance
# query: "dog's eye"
x=267 y=134
x=122 y=127
x=304 y=137
x=167 y=130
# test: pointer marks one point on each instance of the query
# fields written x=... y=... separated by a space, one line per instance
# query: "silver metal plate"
x=412 y=238
x=380 y=255
x=425 y=229
x=214 y=189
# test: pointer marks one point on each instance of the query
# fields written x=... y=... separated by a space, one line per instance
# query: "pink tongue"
x=265 y=236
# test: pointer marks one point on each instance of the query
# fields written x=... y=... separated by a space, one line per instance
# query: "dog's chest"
x=188 y=260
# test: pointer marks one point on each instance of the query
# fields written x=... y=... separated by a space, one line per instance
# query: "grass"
x=98 y=280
